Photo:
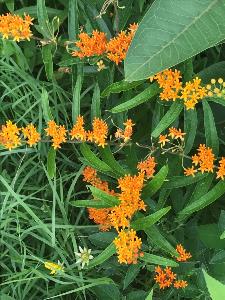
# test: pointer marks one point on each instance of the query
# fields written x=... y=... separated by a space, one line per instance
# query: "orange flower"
x=195 y=159
x=147 y=166
x=163 y=139
x=190 y=171
x=192 y=93
x=206 y=159
x=176 y=133
x=180 y=284
x=78 y=132
x=13 y=26
x=183 y=255
x=57 y=133
x=118 y=46
x=164 y=277
x=131 y=187
x=100 y=131
x=127 y=133
x=9 y=135
x=128 y=245
x=170 y=83
x=30 y=132
x=90 y=45
x=221 y=169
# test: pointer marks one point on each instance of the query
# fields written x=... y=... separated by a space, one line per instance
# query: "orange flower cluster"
x=147 y=167
x=30 y=133
x=166 y=278
x=57 y=133
x=9 y=135
x=127 y=132
x=13 y=26
x=98 y=135
x=96 y=45
x=192 y=93
x=174 y=133
x=119 y=216
x=183 y=254
x=128 y=245
x=204 y=159
x=172 y=88
x=99 y=215
x=221 y=169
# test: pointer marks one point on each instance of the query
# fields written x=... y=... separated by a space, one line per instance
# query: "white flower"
x=84 y=256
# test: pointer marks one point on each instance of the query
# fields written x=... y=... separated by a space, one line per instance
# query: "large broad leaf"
x=216 y=289
x=172 y=31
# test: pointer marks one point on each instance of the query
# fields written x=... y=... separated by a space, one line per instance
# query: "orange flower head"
x=78 y=132
x=57 y=133
x=170 y=83
x=9 y=135
x=118 y=46
x=164 y=277
x=190 y=171
x=180 y=284
x=128 y=245
x=176 y=133
x=31 y=134
x=192 y=93
x=94 y=45
x=100 y=132
x=16 y=27
x=183 y=254
x=147 y=166
x=163 y=139
x=221 y=169
x=206 y=159
x=127 y=132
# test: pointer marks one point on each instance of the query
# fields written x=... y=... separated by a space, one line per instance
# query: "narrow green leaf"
x=159 y=241
x=10 y=5
x=47 y=60
x=131 y=274
x=95 y=104
x=216 y=289
x=209 y=234
x=158 y=260
x=77 y=93
x=150 y=295
x=212 y=140
x=201 y=188
x=217 y=100
x=190 y=128
x=102 y=257
x=103 y=196
x=93 y=159
x=155 y=184
x=171 y=115
x=43 y=19
x=180 y=181
x=144 y=96
x=146 y=222
x=45 y=106
x=216 y=192
x=92 y=203
x=120 y=86
x=51 y=165
x=72 y=19
x=171 y=32
x=109 y=159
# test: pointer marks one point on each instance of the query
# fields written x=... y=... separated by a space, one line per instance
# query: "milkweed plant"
x=112 y=149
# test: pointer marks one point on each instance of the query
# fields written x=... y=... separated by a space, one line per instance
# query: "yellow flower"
x=53 y=267
x=30 y=132
x=9 y=135
x=57 y=133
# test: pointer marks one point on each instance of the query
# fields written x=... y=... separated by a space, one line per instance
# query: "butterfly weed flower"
x=57 y=133
x=221 y=169
x=30 y=133
x=178 y=284
x=84 y=256
x=163 y=139
x=183 y=254
x=101 y=65
x=216 y=88
x=128 y=246
x=15 y=27
x=53 y=267
x=10 y=135
x=176 y=133
x=164 y=277
x=99 y=132
x=147 y=166
x=78 y=132
x=190 y=171
x=125 y=134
